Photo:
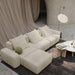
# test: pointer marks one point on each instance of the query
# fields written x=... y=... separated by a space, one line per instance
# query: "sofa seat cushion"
x=43 y=44
x=44 y=33
x=53 y=39
x=36 y=61
x=19 y=41
x=28 y=51
x=34 y=36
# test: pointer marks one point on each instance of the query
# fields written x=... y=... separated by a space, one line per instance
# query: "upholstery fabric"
x=26 y=37
x=33 y=63
x=34 y=36
x=9 y=45
x=28 y=51
x=43 y=44
x=19 y=41
x=53 y=39
x=49 y=30
x=10 y=57
x=44 y=33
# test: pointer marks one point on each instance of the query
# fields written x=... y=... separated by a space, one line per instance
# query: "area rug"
x=5 y=70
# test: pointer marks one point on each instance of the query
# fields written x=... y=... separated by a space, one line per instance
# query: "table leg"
x=64 y=53
x=72 y=54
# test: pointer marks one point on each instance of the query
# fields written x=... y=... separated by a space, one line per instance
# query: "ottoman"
x=10 y=57
x=36 y=61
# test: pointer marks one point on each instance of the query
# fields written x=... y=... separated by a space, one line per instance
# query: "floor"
x=59 y=66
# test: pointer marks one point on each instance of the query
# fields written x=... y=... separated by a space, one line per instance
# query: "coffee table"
x=69 y=47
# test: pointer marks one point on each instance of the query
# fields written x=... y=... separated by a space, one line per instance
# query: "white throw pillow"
x=19 y=41
x=44 y=33
x=34 y=36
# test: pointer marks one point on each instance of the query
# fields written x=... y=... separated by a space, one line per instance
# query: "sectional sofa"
x=33 y=44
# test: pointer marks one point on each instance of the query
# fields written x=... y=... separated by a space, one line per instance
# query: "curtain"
x=17 y=17
x=36 y=9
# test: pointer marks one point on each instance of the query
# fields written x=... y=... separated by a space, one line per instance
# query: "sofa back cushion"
x=48 y=29
x=34 y=36
x=44 y=33
x=19 y=41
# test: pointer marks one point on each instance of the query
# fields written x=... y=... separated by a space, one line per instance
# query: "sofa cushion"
x=44 y=33
x=18 y=50
x=43 y=44
x=36 y=61
x=53 y=39
x=34 y=36
x=9 y=45
x=19 y=41
x=28 y=51
x=26 y=37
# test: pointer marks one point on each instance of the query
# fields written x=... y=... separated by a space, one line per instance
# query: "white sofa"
x=33 y=45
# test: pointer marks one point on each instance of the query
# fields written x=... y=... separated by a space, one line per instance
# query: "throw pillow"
x=44 y=33
x=34 y=36
x=18 y=50
x=19 y=41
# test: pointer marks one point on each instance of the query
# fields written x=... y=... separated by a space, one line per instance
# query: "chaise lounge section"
x=33 y=44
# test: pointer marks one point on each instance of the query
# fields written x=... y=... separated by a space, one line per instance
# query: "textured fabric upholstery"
x=28 y=51
x=26 y=37
x=9 y=45
x=19 y=41
x=10 y=57
x=49 y=30
x=36 y=61
x=53 y=39
x=34 y=36
x=43 y=44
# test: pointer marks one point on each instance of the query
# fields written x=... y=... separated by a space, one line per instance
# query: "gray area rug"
x=4 y=70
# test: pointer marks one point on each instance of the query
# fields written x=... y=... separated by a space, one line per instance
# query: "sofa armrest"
x=10 y=57
x=9 y=45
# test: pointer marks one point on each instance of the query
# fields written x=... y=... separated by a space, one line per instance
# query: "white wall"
x=55 y=7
